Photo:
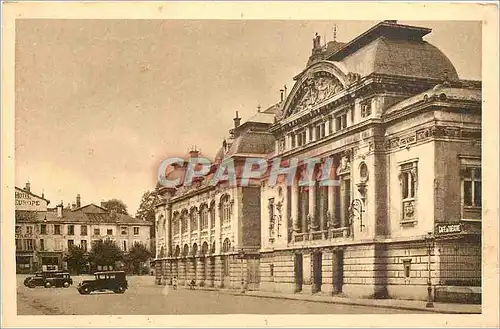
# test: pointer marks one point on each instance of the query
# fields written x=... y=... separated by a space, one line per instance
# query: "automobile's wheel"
x=85 y=290
x=120 y=290
x=31 y=285
x=48 y=285
x=66 y=284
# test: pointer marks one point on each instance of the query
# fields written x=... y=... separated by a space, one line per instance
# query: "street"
x=145 y=298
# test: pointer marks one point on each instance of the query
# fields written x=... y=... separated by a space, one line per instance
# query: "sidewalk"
x=414 y=305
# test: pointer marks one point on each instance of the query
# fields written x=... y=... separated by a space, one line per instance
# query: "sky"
x=99 y=103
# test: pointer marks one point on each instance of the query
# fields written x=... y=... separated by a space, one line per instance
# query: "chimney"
x=60 y=210
x=194 y=152
x=237 y=120
x=282 y=91
x=28 y=186
x=78 y=201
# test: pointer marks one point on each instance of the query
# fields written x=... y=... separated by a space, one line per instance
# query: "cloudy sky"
x=99 y=103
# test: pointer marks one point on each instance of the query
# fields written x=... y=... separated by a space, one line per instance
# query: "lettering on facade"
x=25 y=201
x=448 y=228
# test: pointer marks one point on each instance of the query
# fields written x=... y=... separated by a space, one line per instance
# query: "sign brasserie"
x=448 y=228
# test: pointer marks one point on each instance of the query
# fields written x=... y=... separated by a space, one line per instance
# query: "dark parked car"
x=59 y=280
x=39 y=278
x=115 y=281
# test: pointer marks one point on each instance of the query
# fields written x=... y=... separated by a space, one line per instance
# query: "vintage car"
x=39 y=278
x=59 y=280
x=115 y=281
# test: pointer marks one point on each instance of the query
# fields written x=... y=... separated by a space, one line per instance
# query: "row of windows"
x=199 y=220
x=71 y=230
x=29 y=244
x=317 y=131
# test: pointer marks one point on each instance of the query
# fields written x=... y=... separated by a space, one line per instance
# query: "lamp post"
x=429 y=241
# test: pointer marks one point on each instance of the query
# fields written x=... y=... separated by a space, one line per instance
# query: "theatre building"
x=391 y=123
x=403 y=132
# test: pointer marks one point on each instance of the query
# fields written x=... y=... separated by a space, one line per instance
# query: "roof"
x=387 y=28
x=78 y=216
x=450 y=93
x=395 y=49
x=109 y=272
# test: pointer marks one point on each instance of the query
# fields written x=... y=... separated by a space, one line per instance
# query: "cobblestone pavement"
x=145 y=298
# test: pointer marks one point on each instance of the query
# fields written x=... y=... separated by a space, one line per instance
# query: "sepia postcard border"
x=487 y=13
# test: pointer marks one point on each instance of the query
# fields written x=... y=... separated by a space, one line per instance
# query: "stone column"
x=295 y=205
x=217 y=227
x=312 y=205
x=322 y=207
x=303 y=212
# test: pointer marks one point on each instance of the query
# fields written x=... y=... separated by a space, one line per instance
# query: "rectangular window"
x=124 y=230
x=109 y=231
x=83 y=230
x=271 y=270
x=226 y=265
x=311 y=134
x=71 y=229
x=470 y=175
x=19 y=229
x=338 y=123
x=83 y=244
x=29 y=229
x=124 y=245
x=292 y=136
x=43 y=229
x=344 y=121
x=136 y=230
x=42 y=244
x=97 y=231
x=408 y=177
x=19 y=244
x=366 y=109
x=407 y=267
x=57 y=229
x=28 y=244
x=71 y=243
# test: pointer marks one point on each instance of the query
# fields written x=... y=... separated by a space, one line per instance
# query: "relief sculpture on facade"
x=315 y=90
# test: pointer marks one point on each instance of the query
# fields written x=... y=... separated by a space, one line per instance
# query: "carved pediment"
x=317 y=88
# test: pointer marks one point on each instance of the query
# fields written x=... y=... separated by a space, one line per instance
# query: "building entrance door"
x=338 y=271
x=317 y=271
x=298 y=272
x=253 y=273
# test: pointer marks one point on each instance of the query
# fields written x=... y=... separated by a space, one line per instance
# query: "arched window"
x=177 y=251
x=212 y=214
x=194 y=219
x=184 y=221
x=185 y=252
x=226 y=246
x=204 y=217
x=225 y=210
x=176 y=223
x=204 y=248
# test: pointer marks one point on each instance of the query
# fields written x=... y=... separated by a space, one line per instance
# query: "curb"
x=346 y=302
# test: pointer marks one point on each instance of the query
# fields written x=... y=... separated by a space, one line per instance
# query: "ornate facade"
x=403 y=132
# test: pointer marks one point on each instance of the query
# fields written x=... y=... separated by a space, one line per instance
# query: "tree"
x=117 y=205
x=77 y=259
x=105 y=253
x=137 y=255
x=146 y=211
